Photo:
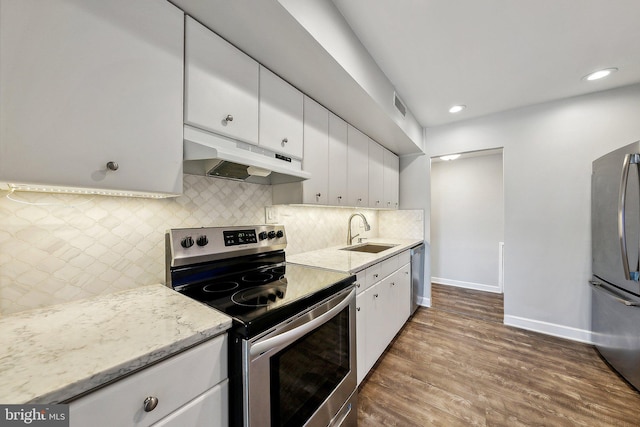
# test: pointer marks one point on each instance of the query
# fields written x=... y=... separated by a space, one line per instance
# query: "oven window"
x=305 y=373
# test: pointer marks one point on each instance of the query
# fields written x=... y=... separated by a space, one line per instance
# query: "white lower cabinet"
x=383 y=305
x=190 y=389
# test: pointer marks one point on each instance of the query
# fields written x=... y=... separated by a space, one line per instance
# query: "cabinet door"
x=221 y=85
x=316 y=152
x=357 y=168
x=376 y=171
x=281 y=111
x=85 y=83
x=362 y=331
x=378 y=323
x=403 y=294
x=391 y=179
x=337 y=161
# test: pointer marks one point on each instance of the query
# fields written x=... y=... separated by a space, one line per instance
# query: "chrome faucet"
x=367 y=227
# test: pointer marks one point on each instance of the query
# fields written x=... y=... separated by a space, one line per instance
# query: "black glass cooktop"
x=265 y=295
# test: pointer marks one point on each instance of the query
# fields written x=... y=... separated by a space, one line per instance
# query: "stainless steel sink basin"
x=371 y=248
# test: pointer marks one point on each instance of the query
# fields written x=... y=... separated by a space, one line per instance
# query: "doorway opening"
x=467 y=220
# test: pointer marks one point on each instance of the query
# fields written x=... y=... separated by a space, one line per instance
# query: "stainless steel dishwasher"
x=417 y=275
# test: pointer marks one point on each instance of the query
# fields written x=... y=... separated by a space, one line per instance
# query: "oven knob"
x=262 y=235
x=187 y=242
x=279 y=234
x=202 y=240
x=272 y=234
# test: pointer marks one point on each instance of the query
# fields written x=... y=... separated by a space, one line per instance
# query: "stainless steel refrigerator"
x=615 y=246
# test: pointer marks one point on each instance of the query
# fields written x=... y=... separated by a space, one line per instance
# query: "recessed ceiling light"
x=449 y=157
x=599 y=74
x=457 y=108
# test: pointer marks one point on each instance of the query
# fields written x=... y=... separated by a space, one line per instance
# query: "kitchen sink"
x=371 y=248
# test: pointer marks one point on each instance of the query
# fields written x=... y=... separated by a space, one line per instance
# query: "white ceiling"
x=494 y=55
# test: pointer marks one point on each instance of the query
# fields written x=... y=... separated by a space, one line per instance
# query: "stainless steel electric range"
x=292 y=358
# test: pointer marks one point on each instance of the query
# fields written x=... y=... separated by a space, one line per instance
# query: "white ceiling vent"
x=399 y=105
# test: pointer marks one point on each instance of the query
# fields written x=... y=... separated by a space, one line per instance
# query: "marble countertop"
x=52 y=354
x=350 y=261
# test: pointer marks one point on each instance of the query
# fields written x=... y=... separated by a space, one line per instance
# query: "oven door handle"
x=294 y=334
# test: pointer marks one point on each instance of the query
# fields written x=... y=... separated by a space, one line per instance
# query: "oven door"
x=303 y=372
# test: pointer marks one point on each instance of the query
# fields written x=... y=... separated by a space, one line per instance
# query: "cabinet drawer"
x=404 y=258
x=361 y=283
x=174 y=382
x=372 y=275
x=388 y=266
x=209 y=409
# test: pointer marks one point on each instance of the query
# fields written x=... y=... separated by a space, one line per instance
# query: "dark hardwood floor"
x=456 y=364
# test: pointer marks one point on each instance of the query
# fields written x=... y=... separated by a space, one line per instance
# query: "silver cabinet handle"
x=150 y=403
x=112 y=166
x=229 y=118
x=601 y=288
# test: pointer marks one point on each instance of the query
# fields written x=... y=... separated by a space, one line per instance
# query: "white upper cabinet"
x=376 y=171
x=357 y=168
x=221 y=85
x=337 y=161
x=86 y=83
x=316 y=152
x=281 y=115
x=391 y=180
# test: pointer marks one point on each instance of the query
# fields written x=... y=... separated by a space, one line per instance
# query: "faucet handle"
x=360 y=239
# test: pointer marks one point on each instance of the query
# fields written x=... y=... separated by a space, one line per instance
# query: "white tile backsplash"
x=55 y=247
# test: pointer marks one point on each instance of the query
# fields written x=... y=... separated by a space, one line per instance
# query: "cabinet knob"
x=358 y=308
x=229 y=118
x=284 y=141
x=112 y=166
x=377 y=202
x=357 y=285
x=375 y=295
x=150 y=403
x=375 y=276
x=339 y=197
x=318 y=195
x=360 y=199
x=393 y=283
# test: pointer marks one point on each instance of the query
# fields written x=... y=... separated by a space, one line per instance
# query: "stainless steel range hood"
x=214 y=155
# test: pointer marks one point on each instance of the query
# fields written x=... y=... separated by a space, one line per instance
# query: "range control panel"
x=187 y=246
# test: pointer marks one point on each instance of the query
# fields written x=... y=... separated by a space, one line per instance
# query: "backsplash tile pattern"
x=55 y=248
x=309 y=228
x=402 y=224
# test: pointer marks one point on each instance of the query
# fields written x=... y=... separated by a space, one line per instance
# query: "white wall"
x=548 y=150
x=467 y=221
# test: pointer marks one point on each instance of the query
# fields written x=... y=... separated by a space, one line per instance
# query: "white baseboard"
x=467 y=285
x=555 y=330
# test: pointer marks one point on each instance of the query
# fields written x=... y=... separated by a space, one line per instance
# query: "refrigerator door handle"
x=599 y=286
x=622 y=232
